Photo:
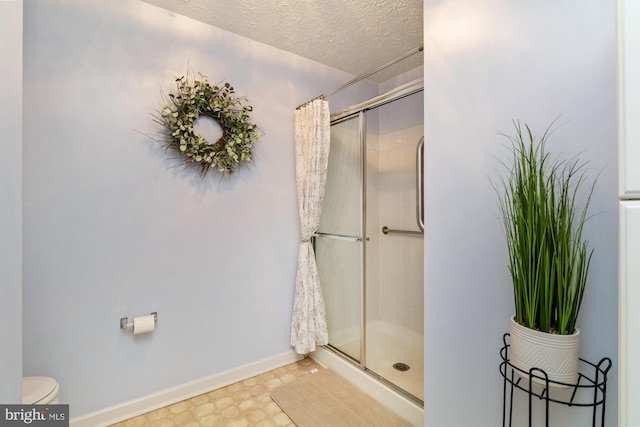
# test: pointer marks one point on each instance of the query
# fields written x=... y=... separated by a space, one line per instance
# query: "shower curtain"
x=312 y=131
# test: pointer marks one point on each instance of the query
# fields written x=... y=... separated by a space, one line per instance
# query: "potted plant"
x=543 y=203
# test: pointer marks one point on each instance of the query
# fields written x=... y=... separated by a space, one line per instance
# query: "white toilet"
x=39 y=391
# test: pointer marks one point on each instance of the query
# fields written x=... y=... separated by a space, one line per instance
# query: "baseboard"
x=383 y=394
x=130 y=409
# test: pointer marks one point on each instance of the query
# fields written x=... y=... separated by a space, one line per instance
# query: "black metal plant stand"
x=589 y=391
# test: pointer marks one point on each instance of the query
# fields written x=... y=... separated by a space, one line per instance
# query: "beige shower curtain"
x=308 y=324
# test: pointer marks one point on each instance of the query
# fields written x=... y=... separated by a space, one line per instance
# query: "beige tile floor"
x=244 y=404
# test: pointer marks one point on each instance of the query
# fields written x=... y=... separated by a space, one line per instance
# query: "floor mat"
x=327 y=399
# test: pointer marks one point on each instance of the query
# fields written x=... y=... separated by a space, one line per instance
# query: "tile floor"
x=244 y=404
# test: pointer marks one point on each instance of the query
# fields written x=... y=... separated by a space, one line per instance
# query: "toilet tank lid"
x=34 y=389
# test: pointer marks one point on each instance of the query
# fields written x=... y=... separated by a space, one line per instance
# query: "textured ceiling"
x=351 y=35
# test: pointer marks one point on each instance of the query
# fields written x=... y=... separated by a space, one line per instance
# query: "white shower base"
x=389 y=344
x=386 y=344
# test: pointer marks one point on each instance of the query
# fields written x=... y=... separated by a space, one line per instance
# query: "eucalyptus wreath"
x=194 y=98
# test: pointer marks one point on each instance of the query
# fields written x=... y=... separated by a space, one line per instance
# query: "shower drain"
x=402 y=367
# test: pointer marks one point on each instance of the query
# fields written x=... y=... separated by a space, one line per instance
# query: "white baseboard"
x=383 y=394
x=126 y=410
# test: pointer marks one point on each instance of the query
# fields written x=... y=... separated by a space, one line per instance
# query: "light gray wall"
x=11 y=201
x=113 y=228
x=487 y=63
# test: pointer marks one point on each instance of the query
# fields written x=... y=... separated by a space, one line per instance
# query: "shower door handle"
x=419 y=186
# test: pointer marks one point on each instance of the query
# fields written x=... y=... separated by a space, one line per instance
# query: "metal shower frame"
x=359 y=111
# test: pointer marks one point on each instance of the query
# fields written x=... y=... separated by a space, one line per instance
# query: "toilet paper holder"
x=124 y=321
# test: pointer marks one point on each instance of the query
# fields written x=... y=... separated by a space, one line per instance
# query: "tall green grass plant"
x=543 y=203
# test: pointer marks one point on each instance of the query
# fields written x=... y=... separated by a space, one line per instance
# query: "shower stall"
x=370 y=243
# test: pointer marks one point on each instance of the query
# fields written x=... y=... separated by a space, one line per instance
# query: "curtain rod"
x=365 y=75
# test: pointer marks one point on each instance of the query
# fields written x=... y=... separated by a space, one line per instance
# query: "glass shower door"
x=394 y=245
x=369 y=249
x=338 y=243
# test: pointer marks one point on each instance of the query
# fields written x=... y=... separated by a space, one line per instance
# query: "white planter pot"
x=557 y=355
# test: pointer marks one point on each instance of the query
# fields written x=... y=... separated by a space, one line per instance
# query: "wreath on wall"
x=193 y=99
